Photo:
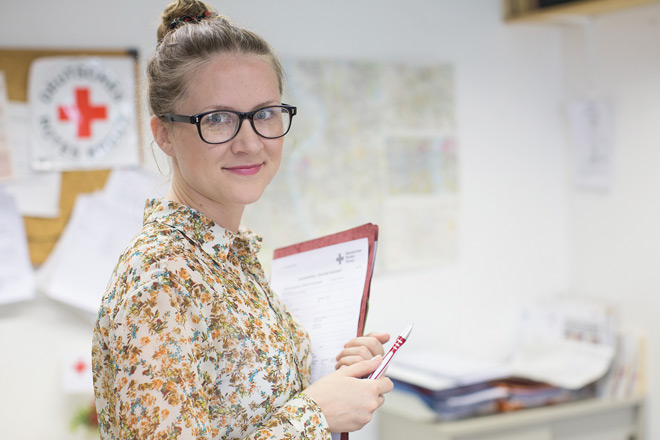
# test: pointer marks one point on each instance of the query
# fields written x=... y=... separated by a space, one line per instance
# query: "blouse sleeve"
x=165 y=376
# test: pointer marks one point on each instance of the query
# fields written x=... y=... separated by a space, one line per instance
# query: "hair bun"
x=180 y=12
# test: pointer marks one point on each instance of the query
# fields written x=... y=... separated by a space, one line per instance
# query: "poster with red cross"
x=83 y=113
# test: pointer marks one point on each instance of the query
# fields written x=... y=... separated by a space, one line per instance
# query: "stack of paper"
x=627 y=375
x=565 y=347
x=523 y=393
x=437 y=370
x=453 y=386
x=457 y=387
x=567 y=343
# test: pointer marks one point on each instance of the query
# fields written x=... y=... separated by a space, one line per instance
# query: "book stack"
x=568 y=349
x=453 y=386
x=458 y=402
x=459 y=387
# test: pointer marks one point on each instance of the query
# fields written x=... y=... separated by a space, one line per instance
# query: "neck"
x=229 y=217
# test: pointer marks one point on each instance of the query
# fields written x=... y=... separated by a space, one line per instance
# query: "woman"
x=190 y=341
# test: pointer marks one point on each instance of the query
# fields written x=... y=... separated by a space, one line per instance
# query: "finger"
x=373 y=344
x=348 y=360
x=382 y=337
x=363 y=368
x=380 y=400
x=360 y=340
x=385 y=385
x=361 y=351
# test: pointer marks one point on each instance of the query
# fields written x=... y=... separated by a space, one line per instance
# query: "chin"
x=249 y=199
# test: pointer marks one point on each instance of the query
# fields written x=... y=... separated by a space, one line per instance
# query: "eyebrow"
x=258 y=106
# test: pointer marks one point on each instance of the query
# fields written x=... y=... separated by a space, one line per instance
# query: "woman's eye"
x=219 y=118
x=265 y=113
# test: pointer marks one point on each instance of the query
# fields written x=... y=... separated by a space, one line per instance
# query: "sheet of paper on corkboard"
x=43 y=233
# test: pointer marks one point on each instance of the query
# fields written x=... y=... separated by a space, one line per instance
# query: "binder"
x=302 y=273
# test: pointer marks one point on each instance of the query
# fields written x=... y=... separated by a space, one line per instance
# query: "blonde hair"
x=190 y=33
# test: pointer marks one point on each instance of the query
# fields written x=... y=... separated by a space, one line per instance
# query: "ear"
x=161 y=134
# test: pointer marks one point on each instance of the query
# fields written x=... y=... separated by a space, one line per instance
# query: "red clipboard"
x=368 y=231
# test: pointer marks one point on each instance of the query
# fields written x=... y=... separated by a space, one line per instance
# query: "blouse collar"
x=213 y=238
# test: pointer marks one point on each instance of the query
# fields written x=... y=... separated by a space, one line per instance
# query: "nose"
x=247 y=140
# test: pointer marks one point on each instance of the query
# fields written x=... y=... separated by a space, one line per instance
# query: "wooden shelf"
x=528 y=11
x=404 y=416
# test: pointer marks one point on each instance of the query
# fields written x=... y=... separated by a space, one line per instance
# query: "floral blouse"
x=191 y=343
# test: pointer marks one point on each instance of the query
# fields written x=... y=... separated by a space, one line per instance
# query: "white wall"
x=514 y=237
x=614 y=239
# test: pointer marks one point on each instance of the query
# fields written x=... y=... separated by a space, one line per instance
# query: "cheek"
x=188 y=150
x=275 y=151
x=275 y=156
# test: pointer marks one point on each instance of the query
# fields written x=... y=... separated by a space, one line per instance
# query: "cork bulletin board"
x=43 y=233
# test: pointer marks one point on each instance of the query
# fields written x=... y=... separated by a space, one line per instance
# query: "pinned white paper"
x=101 y=226
x=16 y=274
x=591 y=128
x=82 y=112
x=37 y=193
x=77 y=373
x=6 y=163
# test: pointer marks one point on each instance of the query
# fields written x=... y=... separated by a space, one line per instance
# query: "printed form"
x=323 y=288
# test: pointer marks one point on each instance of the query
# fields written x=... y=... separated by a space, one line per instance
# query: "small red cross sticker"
x=80 y=366
x=82 y=112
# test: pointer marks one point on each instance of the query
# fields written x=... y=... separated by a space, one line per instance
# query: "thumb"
x=363 y=368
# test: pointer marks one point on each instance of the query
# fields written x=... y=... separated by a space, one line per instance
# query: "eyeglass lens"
x=268 y=122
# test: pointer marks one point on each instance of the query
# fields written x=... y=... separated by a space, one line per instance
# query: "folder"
x=325 y=283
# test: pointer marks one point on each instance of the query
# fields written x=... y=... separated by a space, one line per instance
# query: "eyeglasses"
x=220 y=126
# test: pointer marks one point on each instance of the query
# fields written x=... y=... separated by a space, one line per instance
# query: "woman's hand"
x=347 y=400
x=362 y=348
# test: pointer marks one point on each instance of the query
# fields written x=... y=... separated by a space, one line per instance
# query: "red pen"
x=390 y=354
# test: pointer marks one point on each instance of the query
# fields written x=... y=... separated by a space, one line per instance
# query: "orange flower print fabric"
x=191 y=343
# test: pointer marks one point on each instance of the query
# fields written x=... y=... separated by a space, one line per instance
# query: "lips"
x=245 y=170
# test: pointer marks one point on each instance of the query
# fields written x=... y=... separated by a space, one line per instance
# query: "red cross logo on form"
x=83 y=113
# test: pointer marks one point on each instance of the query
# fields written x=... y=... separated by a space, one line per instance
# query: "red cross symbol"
x=80 y=366
x=82 y=112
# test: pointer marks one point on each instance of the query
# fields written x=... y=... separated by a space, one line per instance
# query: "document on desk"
x=325 y=284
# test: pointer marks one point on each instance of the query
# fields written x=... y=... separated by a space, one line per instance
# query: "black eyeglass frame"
x=197 y=119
